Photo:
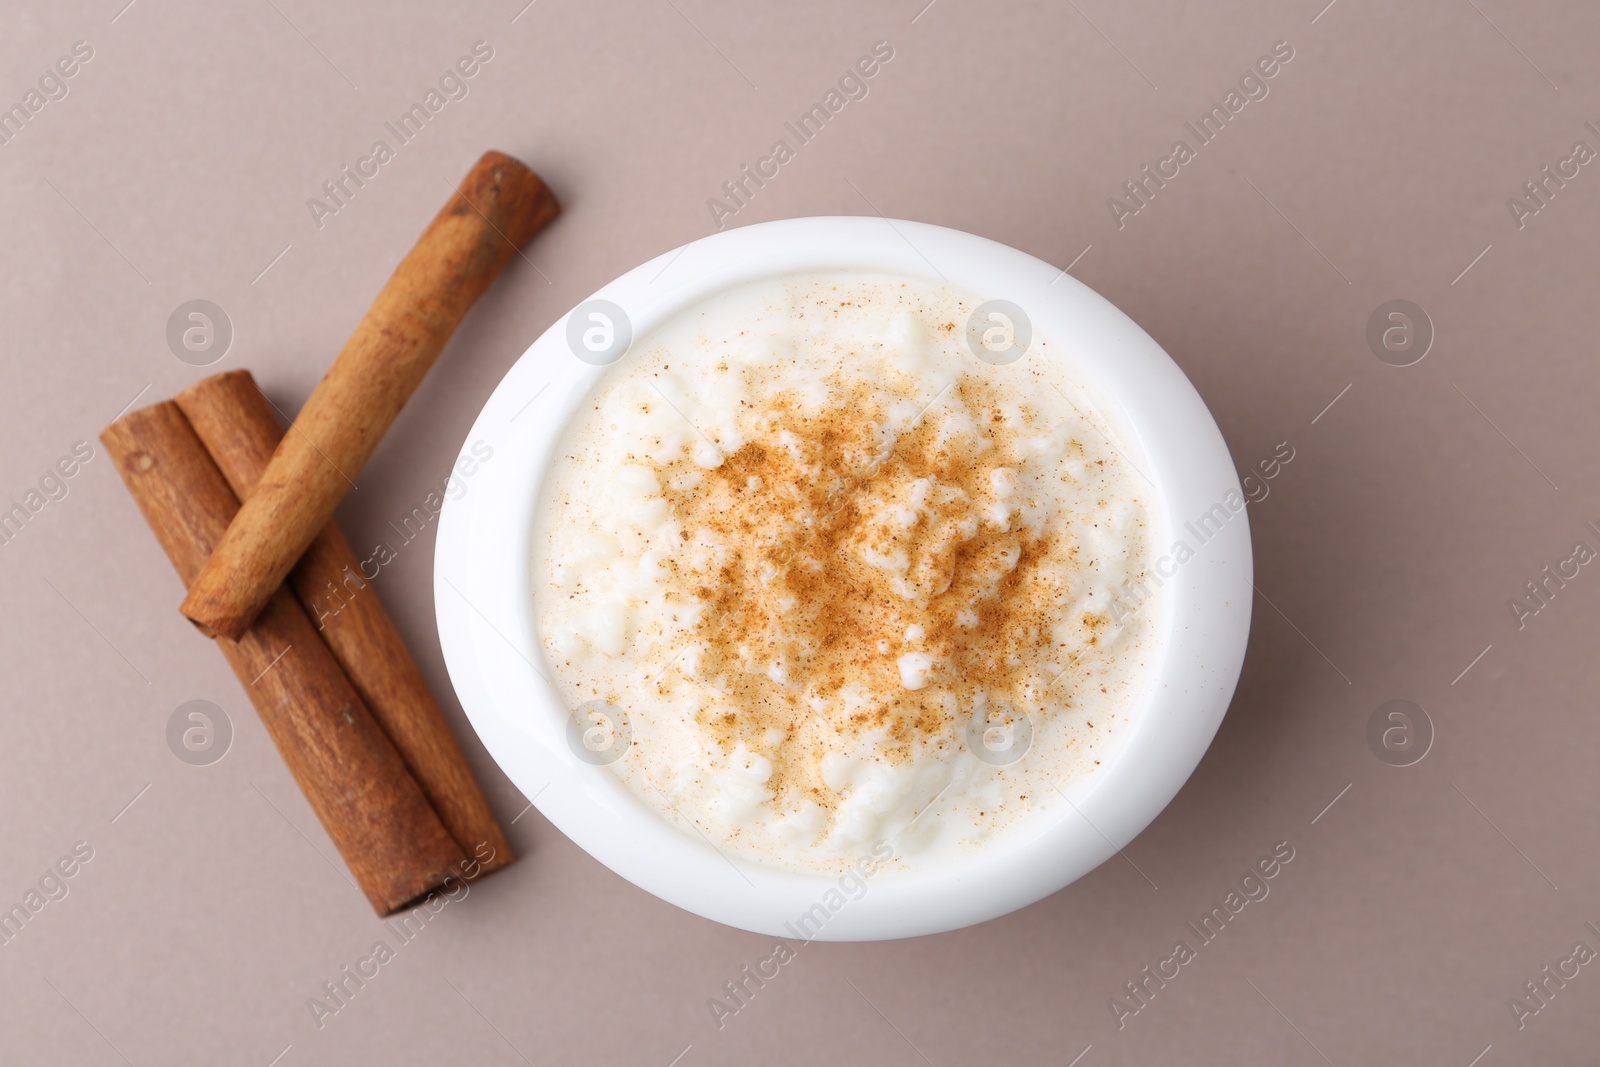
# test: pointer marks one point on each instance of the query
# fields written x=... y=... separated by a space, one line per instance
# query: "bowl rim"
x=482 y=575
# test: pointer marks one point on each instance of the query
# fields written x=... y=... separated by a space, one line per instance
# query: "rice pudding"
x=839 y=582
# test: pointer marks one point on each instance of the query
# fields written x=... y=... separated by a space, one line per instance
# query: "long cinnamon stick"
x=500 y=205
x=376 y=814
x=235 y=422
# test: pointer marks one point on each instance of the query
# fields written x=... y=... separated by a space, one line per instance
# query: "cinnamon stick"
x=235 y=422
x=376 y=814
x=499 y=206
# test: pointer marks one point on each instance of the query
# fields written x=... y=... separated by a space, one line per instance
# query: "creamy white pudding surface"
x=846 y=582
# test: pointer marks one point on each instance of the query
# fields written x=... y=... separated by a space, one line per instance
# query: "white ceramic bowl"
x=483 y=582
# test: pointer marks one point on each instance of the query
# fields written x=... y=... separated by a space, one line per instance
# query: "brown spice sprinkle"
x=796 y=610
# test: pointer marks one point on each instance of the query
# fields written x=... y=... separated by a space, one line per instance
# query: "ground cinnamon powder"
x=804 y=627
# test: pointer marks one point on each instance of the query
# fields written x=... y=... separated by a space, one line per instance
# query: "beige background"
x=1378 y=168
